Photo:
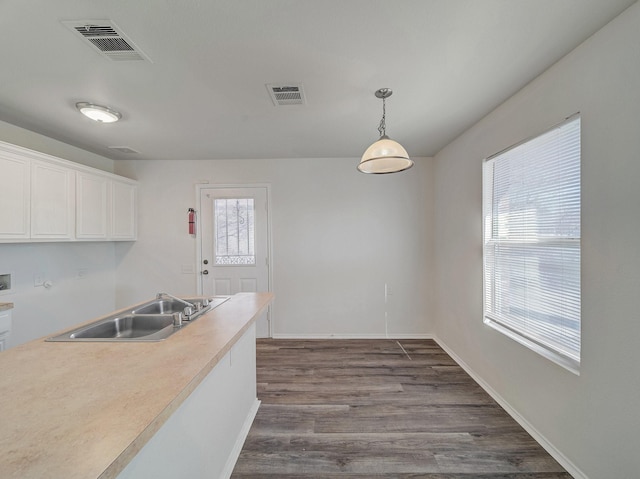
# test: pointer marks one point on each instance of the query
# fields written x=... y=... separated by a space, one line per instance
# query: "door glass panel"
x=234 y=231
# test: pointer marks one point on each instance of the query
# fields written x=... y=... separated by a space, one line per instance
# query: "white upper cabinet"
x=105 y=208
x=52 y=200
x=124 y=210
x=15 y=197
x=92 y=206
x=43 y=198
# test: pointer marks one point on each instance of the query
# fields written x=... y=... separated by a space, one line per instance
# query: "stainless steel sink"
x=130 y=326
x=152 y=321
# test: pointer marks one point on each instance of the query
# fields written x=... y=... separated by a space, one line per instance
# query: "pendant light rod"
x=383 y=93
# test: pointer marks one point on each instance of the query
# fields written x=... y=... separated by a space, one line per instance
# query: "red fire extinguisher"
x=192 y=221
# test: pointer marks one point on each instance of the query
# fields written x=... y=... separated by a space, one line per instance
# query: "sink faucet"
x=186 y=303
x=191 y=310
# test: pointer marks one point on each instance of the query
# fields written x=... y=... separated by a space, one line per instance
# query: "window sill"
x=569 y=364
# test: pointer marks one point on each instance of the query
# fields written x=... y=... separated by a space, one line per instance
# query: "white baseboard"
x=352 y=336
x=550 y=448
x=242 y=436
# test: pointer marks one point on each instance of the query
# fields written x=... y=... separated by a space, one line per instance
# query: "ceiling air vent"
x=123 y=149
x=286 y=94
x=105 y=37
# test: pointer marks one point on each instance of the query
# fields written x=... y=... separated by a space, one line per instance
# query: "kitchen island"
x=105 y=410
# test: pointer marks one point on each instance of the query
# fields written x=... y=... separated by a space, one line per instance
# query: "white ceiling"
x=203 y=94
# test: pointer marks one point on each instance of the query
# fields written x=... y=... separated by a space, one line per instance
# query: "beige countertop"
x=6 y=306
x=83 y=410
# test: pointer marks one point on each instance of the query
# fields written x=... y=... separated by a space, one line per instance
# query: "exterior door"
x=235 y=243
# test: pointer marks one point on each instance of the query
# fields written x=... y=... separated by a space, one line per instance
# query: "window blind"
x=531 y=210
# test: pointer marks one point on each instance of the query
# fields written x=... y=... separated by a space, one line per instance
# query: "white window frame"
x=523 y=327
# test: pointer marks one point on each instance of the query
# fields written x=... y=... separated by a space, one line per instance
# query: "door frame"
x=222 y=186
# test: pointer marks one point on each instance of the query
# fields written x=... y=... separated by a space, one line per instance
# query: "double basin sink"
x=152 y=321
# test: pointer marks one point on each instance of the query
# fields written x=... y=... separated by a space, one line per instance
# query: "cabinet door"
x=5 y=322
x=14 y=198
x=5 y=328
x=124 y=211
x=52 y=198
x=92 y=206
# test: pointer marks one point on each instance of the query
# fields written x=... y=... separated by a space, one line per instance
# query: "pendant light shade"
x=385 y=155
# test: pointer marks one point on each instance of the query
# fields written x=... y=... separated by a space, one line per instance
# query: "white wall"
x=39 y=311
x=28 y=139
x=338 y=237
x=72 y=299
x=592 y=419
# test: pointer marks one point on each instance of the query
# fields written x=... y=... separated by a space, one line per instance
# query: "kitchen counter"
x=84 y=410
x=6 y=306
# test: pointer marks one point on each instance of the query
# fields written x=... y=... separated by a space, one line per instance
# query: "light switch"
x=187 y=269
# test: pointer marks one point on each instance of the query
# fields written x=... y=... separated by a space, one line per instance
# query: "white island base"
x=204 y=436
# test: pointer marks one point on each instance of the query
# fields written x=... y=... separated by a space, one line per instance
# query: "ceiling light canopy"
x=385 y=155
x=99 y=113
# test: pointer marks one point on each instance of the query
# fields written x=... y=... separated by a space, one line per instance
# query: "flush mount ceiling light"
x=385 y=155
x=98 y=113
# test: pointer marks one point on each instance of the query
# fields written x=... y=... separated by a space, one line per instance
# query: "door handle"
x=205 y=272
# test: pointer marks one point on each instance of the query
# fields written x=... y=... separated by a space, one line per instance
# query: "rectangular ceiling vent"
x=105 y=37
x=123 y=149
x=286 y=94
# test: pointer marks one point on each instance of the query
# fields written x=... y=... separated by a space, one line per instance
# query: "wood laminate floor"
x=380 y=409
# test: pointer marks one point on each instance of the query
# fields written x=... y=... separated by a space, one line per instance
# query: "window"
x=531 y=211
x=234 y=231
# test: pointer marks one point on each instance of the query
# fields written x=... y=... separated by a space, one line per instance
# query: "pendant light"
x=385 y=155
